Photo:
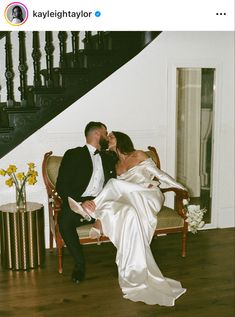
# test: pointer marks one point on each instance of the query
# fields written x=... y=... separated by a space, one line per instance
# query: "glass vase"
x=21 y=199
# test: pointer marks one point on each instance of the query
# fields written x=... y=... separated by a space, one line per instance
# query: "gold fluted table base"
x=22 y=236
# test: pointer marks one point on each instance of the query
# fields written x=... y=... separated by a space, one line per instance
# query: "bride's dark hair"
x=124 y=143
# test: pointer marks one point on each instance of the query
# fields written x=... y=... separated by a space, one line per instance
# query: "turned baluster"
x=100 y=40
x=36 y=55
x=63 y=48
x=22 y=68
x=49 y=48
x=75 y=47
x=9 y=73
x=88 y=40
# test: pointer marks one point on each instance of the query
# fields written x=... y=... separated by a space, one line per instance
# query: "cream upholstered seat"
x=169 y=220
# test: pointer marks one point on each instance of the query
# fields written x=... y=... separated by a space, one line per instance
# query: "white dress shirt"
x=97 y=179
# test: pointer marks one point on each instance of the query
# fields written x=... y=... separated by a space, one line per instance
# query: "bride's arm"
x=162 y=176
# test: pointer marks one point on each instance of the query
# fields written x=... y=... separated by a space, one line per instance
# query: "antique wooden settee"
x=169 y=220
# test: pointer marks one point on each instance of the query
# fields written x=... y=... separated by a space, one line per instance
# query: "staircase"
x=55 y=88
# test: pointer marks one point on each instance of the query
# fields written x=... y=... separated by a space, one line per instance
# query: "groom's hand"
x=89 y=205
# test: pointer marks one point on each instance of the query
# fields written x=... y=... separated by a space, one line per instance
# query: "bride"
x=127 y=208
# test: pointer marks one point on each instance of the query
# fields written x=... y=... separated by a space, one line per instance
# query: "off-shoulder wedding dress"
x=127 y=208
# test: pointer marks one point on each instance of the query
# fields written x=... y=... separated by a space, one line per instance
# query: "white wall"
x=139 y=99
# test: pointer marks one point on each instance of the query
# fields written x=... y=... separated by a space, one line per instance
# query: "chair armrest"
x=56 y=201
x=180 y=195
x=56 y=198
x=179 y=192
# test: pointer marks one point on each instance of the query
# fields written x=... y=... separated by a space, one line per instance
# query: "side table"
x=22 y=236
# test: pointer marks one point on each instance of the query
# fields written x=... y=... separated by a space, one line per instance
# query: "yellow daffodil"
x=20 y=179
x=20 y=176
x=32 y=173
x=11 y=169
x=31 y=165
x=3 y=172
x=32 y=180
x=9 y=182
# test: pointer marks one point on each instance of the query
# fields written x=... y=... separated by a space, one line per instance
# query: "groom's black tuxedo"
x=76 y=170
x=74 y=176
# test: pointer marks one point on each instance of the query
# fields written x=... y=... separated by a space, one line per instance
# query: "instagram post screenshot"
x=117 y=158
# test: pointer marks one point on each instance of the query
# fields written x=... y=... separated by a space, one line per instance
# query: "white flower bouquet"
x=194 y=216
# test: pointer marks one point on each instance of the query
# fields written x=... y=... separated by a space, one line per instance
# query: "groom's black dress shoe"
x=77 y=276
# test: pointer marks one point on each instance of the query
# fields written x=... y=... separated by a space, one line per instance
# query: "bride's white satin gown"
x=127 y=209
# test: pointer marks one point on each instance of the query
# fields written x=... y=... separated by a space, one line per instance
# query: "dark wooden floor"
x=207 y=273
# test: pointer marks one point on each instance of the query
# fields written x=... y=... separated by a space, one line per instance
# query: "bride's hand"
x=89 y=205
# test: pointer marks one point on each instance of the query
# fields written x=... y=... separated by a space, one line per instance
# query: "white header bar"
x=119 y=15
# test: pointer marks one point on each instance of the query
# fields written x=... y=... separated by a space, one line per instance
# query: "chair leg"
x=184 y=244
x=60 y=259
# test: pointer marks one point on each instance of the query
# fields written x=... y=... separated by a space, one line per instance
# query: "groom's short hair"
x=93 y=125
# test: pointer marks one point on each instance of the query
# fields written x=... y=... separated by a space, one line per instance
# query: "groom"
x=82 y=175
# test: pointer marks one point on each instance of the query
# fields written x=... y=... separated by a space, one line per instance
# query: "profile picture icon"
x=16 y=13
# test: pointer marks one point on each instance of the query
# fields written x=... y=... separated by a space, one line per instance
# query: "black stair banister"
x=75 y=48
x=36 y=55
x=78 y=71
x=49 y=48
x=9 y=73
x=23 y=67
x=62 y=35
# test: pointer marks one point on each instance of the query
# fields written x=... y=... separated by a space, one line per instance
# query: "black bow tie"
x=97 y=152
